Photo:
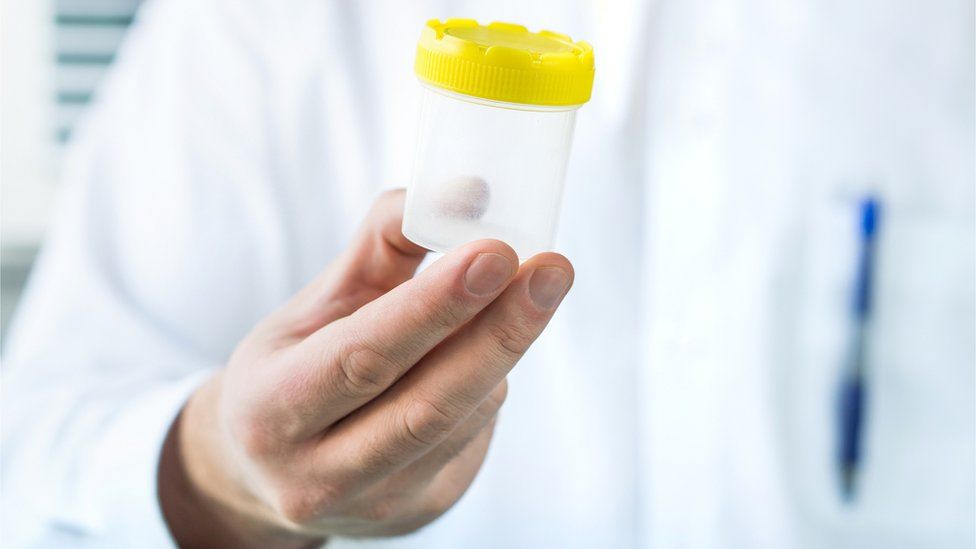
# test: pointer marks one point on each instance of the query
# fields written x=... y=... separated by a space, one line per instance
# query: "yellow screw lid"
x=505 y=62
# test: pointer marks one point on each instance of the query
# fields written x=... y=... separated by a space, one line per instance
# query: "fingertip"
x=491 y=246
x=386 y=218
x=467 y=253
x=389 y=203
x=550 y=276
x=485 y=267
x=395 y=196
x=550 y=259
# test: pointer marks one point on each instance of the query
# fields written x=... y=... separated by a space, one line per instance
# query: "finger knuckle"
x=426 y=423
x=291 y=421
x=443 y=313
x=436 y=505
x=373 y=458
x=300 y=504
x=511 y=339
x=363 y=371
x=488 y=408
x=493 y=403
x=500 y=393
x=254 y=437
x=382 y=510
x=296 y=507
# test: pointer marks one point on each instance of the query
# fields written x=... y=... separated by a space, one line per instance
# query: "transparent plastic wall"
x=487 y=169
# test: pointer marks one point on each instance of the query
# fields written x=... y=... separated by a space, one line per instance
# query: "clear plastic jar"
x=491 y=156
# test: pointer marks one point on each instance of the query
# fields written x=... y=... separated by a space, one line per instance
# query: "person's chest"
x=709 y=212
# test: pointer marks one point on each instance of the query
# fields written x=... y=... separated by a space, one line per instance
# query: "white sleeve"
x=165 y=248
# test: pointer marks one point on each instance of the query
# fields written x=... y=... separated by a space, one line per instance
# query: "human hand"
x=365 y=405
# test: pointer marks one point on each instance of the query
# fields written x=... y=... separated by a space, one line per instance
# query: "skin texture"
x=365 y=405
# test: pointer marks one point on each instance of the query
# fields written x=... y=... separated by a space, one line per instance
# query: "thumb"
x=378 y=259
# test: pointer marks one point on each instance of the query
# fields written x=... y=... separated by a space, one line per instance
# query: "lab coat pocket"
x=916 y=477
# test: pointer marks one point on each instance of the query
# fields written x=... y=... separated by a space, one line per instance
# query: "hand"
x=365 y=405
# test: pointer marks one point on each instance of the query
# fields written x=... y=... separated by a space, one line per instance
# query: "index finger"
x=378 y=259
x=351 y=361
x=441 y=392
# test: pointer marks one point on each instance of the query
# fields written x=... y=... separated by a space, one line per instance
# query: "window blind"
x=87 y=36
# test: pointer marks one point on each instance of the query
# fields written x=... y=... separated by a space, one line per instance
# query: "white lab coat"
x=683 y=395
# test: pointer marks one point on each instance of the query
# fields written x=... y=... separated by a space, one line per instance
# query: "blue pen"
x=853 y=393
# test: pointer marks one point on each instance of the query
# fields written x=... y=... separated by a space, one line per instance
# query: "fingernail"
x=547 y=287
x=487 y=273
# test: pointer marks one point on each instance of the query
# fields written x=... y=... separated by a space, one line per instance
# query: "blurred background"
x=54 y=53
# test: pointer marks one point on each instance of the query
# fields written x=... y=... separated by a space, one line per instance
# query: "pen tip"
x=869 y=216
